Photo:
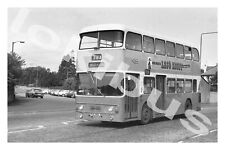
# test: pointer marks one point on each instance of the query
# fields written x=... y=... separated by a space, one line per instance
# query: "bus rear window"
x=187 y=52
x=160 y=47
x=195 y=55
x=133 y=41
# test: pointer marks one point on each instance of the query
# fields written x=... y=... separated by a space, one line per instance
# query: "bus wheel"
x=188 y=105
x=146 y=114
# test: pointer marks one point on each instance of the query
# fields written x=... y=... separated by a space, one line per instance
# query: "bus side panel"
x=196 y=101
x=182 y=98
x=175 y=97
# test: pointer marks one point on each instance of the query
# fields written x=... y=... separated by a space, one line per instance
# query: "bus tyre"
x=146 y=114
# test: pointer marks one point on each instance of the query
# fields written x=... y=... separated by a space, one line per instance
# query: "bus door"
x=131 y=96
x=160 y=85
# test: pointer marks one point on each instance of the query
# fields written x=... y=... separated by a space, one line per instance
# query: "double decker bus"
x=118 y=67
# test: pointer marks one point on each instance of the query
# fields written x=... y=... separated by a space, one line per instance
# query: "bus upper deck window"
x=187 y=52
x=160 y=47
x=110 y=39
x=148 y=44
x=89 y=40
x=170 y=49
x=101 y=39
x=179 y=51
x=195 y=55
x=133 y=41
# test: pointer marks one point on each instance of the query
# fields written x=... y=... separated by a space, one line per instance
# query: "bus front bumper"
x=97 y=116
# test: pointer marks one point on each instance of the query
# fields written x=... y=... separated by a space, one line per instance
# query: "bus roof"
x=122 y=27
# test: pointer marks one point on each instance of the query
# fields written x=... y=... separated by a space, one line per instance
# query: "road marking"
x=32 y=129
x=37 y=113
x=73 y=121
x=195 y=136
x=213 y=130
x=67 y=122
x=198 y=135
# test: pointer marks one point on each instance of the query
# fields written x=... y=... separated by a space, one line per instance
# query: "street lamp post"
x=37 y=77
x=204 y=33
x=14 y=43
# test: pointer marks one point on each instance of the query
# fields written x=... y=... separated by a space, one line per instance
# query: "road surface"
x=51 y=119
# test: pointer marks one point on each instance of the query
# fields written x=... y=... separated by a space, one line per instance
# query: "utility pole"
x=37 y=77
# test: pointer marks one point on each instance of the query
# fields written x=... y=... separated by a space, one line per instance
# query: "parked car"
x=61 y=92
x=45 y=91
x=34 y=93
x=56 y=92
x=71 y=94
x=65 y=92
x=51 y=92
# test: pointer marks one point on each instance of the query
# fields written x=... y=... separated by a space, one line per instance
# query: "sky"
x=51 y=33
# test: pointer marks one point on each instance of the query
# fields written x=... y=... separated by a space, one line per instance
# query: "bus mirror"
x=128 y=78
x=141 y=91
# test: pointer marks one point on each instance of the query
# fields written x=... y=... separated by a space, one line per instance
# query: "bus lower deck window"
x=170 y=85
x=188 y=86
x=180 y=86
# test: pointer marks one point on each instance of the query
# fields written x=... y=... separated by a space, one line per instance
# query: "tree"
x=15 y=63
x=66 y=69
x=39 y=76
x=70 y=84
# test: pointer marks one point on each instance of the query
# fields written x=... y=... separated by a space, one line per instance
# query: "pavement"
x=51 y=119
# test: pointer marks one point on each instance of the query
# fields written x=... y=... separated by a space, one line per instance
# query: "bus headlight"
x=113 y=109
x=79 y=108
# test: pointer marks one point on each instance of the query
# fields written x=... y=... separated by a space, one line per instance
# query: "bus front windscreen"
x=100 y=84
x=102 y=39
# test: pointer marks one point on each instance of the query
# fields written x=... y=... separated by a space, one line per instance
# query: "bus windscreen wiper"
x=96 y=86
